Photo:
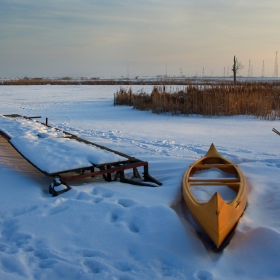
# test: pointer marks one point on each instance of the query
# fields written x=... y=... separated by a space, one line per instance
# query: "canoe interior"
x=231 y=180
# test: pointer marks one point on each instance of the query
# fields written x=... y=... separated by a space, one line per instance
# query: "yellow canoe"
x=219 y=214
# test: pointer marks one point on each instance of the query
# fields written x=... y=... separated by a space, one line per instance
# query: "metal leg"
x=146 y=173
x=148 y=177
x=56 y=182
x=109 y=177
x=136 y=173
x=122 y=178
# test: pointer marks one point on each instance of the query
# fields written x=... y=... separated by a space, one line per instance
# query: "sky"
x=90 y=38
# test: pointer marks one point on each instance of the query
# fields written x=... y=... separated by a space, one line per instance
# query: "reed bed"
x=259 y=99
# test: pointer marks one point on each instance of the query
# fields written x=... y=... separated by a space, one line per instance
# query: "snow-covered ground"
x=101 y=230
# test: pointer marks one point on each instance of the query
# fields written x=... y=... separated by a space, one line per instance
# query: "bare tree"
x=237 y=65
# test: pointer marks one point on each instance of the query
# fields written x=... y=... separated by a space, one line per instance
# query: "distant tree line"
x=99 y=81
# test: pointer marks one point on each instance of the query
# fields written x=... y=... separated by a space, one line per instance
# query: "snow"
x=212 y=173
x=204 y=193
x=110 y=230
x=49 y=149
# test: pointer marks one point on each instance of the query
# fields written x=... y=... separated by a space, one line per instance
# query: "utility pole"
x=249 y=69
x=128 y=70
x=263 y=69
x=276 y=66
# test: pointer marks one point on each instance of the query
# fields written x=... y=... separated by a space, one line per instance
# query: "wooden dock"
x=110 y=171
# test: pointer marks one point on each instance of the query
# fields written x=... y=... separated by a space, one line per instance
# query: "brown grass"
x=259 y=99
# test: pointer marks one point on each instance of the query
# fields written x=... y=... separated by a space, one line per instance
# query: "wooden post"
x=47 y=121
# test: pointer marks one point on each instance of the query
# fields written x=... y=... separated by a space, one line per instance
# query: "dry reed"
x=259 y=99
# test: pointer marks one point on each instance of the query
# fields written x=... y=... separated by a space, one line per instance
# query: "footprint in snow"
x=88 y=253
x=124 y=266
x=22 y=239
x=102 y=192
x=126 y=202
x=47 y=258
x=98 y=199
x=117 y=217
x=114 y=217
x=58 y=209
x=96 y=266
x=8 y=249
x=27 y=248
x=10 y=227
x=47 y=263
x=24 y=210
x=84 y=196
x=133 y=227
x=203 y=275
